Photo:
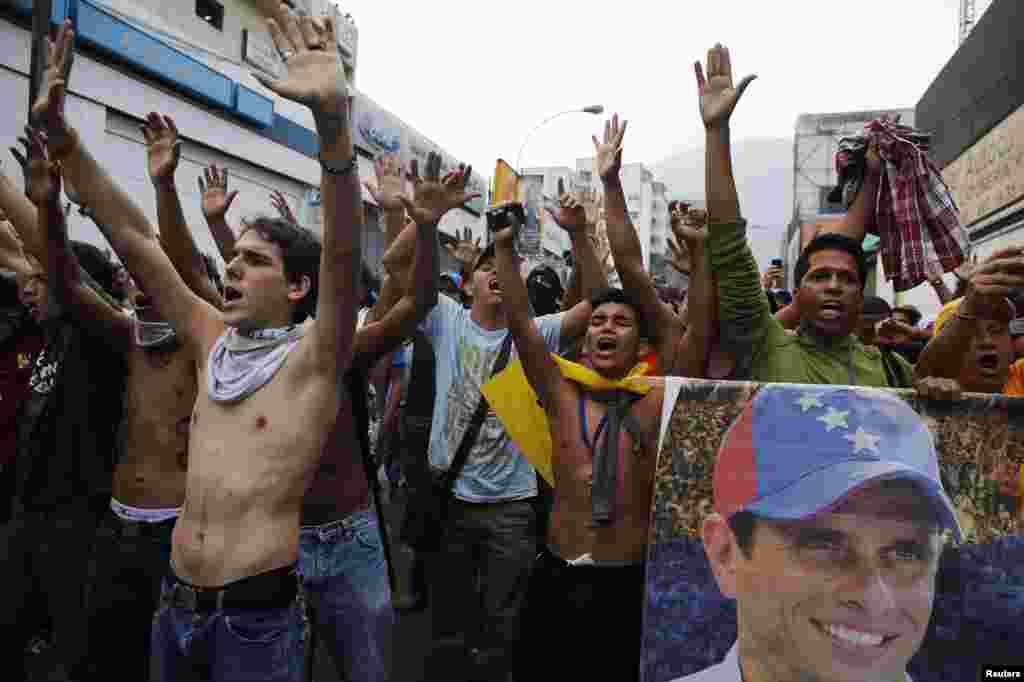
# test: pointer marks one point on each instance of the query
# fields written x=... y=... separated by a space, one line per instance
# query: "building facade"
x=193 y=60
x=975 y=111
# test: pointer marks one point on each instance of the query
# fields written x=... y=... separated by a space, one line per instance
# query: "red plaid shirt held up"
x=917 y=220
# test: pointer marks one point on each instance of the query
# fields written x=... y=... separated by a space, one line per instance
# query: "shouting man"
x=592 y=568
x=270 y=378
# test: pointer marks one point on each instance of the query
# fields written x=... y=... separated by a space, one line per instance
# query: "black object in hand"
x=500 y=217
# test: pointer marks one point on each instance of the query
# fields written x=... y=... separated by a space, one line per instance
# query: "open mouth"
x=494 y=287
x=850 y=638
x=988 y=363
x=231 y=294
x=605 y=344
x=832 y=309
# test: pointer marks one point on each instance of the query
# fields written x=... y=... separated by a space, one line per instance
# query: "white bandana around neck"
x=242 y=363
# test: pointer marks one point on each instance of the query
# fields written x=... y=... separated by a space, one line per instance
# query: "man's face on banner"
x=844 y=597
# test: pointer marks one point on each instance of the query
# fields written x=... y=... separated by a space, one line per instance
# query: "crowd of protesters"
x=195 y=470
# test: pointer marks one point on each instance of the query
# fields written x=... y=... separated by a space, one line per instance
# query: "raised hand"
x=280 y=203
x=591 y=205
x=771 y=276
x=571 y=215
x=608 y=152
x=890 y=327
x=48 y=109
x=718 y=96
x=309 y=48
x=387 y=192
x=466 y=248
x=43 y=174
x=163 y=148
x=433 y=196
x=216 y=200
x=998 y=277
x=690 y=229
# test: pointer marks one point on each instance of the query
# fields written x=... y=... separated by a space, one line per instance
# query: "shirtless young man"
x=262 y=417
x=593 y=566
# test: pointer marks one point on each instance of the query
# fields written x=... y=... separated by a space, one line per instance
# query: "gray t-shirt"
x=495 y=469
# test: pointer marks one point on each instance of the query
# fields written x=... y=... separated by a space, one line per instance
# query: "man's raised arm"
x=432 y=198
x=743 y=312
x=316 y=79
x=988 y=287
x=130 y=233
x=625 y=244
x=215 y=200
x=540 y=369
x=163 y=150
x=66 y=283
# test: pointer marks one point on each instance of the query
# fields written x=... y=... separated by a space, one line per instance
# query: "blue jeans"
x=229 y=644
x=345 y=579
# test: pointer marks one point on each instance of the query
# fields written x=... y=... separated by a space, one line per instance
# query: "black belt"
x=271 y=590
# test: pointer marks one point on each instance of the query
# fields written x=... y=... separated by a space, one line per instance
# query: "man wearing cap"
x=490 y=534
x=872 y=311
x=827 y=529
x=971 y=339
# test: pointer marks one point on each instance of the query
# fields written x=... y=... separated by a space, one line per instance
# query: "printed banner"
x=978 y=612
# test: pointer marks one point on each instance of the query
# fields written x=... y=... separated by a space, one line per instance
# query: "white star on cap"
x=862 y=440
x=835 y=418
x=808 y=401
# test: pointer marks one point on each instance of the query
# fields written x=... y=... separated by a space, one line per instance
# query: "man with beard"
x=830 y=273
x=591 y=569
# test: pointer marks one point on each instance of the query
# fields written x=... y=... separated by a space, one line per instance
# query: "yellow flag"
x=515 y=402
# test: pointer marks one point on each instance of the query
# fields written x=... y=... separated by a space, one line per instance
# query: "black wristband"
x=344 y=169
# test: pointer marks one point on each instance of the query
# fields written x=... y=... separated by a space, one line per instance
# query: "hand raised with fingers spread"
x=433 y=196
x=48 y=109
x=571 y=215
x=216 y=200
x=280 y=203
x=388 y=190
x=998 y=277
x=718 y=96
x=163 y=148
x=43 y=174
x=466 y=249
x=309 y=47
x=608 y=152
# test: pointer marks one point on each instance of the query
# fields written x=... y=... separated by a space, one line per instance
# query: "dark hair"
x=742 y=524
x=614 y=295
x=369 y=279
x=835 y=242
x=96 y=263
x=300 y=257
x=910 y=311
x=213 y=273
x=544 y=288
x=8 y=293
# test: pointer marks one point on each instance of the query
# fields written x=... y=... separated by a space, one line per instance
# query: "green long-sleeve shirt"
x=763 y=349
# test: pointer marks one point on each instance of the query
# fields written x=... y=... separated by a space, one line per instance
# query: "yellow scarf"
x=515 y=402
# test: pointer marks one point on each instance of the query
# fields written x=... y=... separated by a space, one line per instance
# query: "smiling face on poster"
x=788 y=581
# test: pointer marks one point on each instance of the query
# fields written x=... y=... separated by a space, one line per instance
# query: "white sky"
x=476 y=77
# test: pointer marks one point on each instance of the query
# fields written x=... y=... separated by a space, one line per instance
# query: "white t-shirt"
x=726 y=671
x=495 y=469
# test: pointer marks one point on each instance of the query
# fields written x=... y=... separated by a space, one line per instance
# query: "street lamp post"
x=595 y=109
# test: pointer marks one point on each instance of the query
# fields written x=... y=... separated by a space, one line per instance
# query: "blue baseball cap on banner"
x=798 y=451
